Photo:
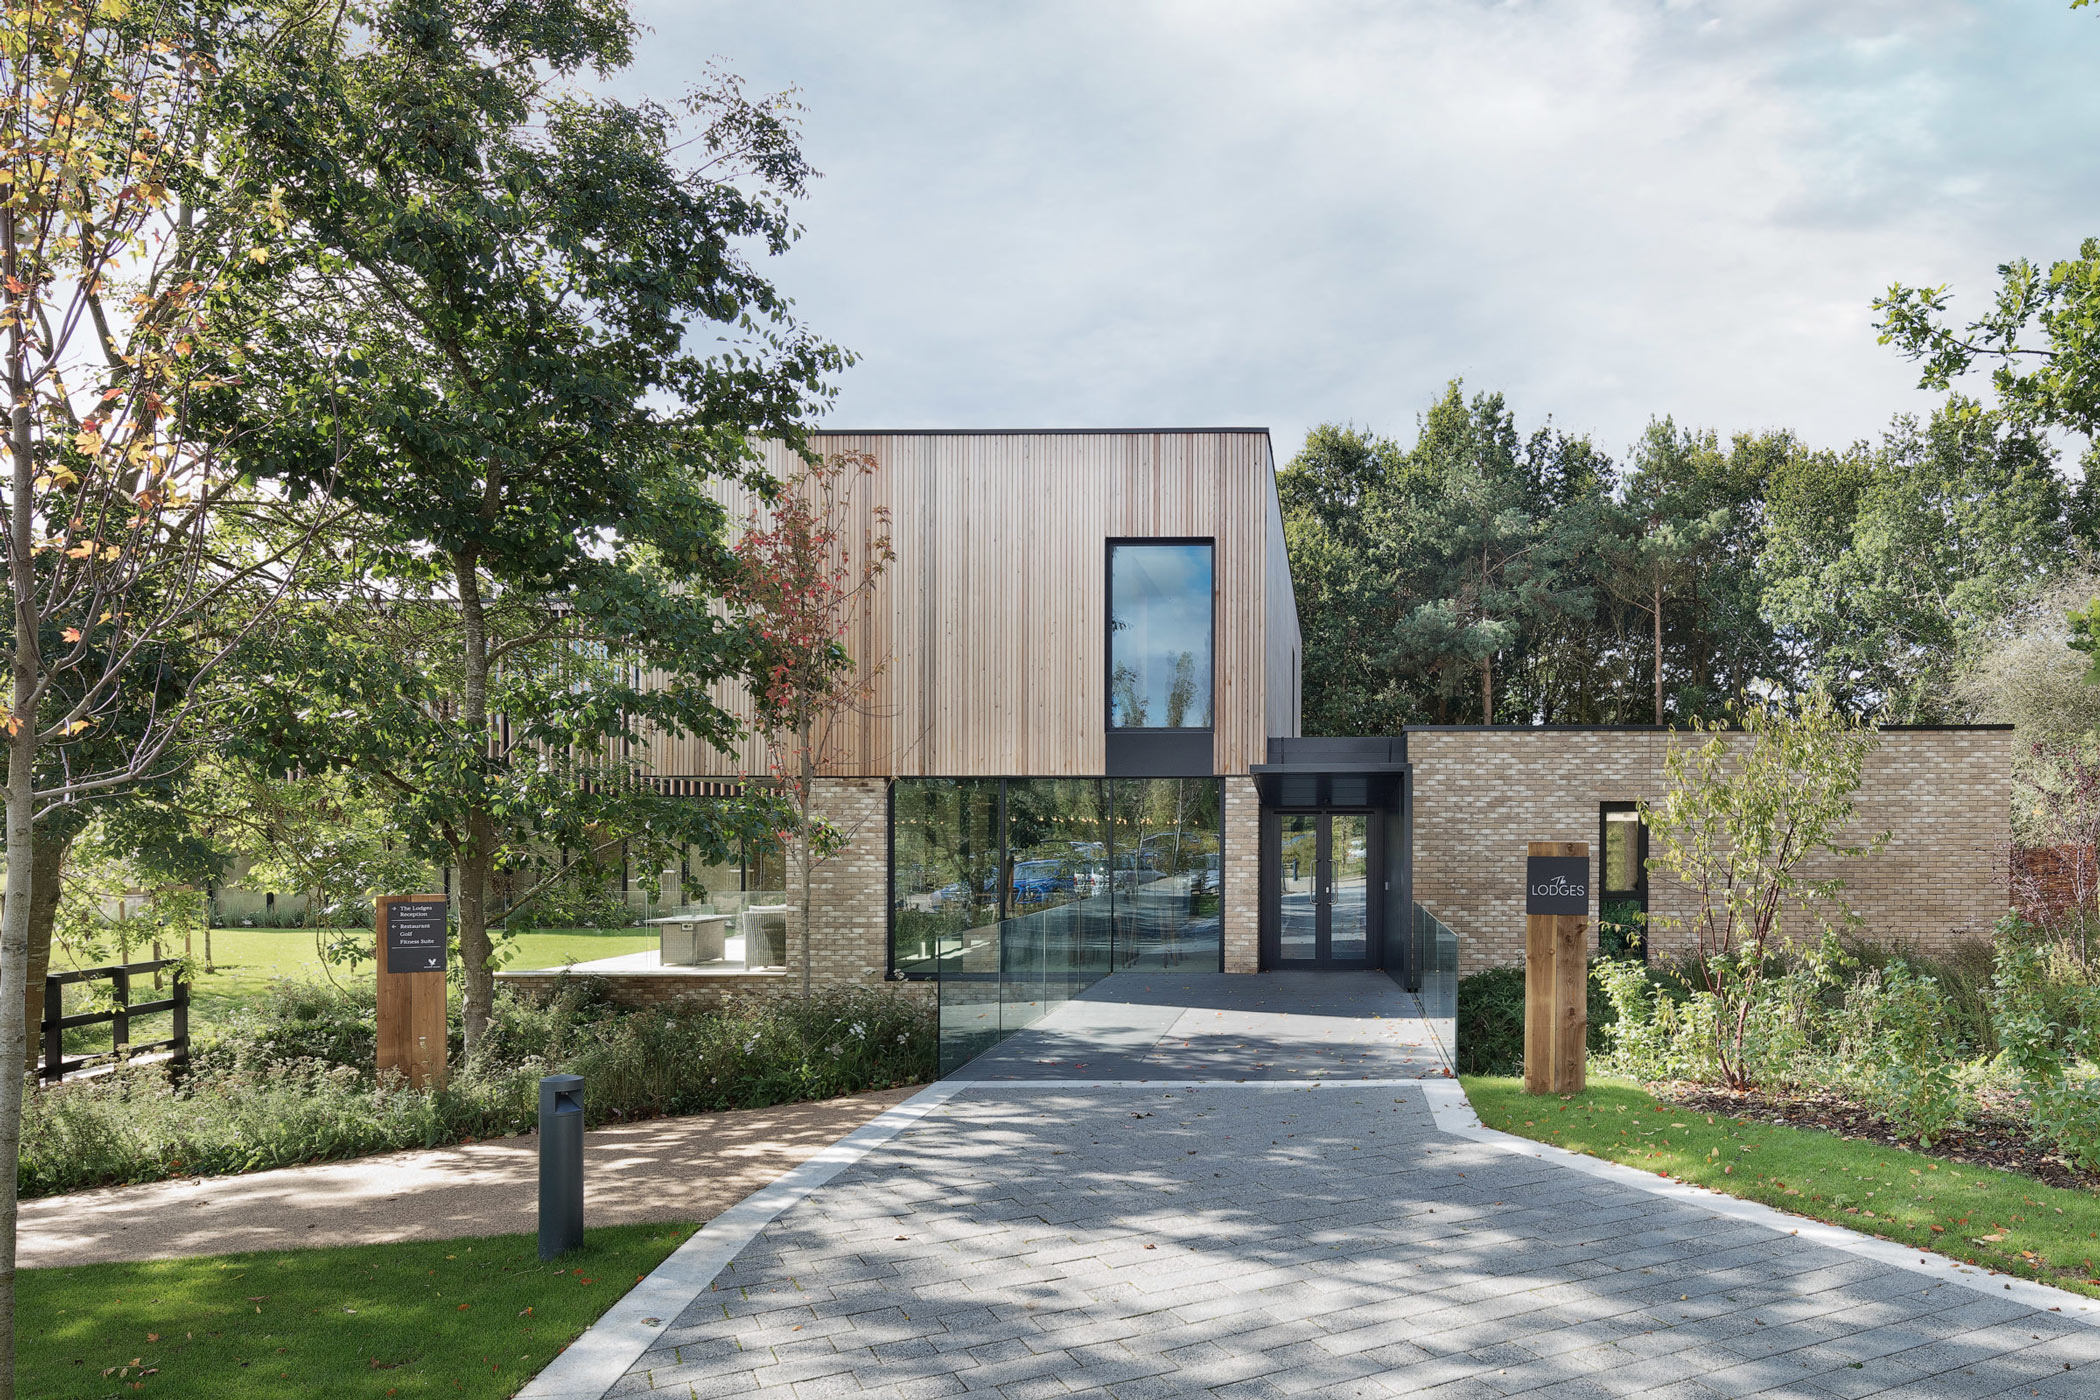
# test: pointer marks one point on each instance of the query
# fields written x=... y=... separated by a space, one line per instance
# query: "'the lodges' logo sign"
x=415 y=935
x=1557 y=885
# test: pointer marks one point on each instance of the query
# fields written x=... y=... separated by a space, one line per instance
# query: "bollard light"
x=561 y=1164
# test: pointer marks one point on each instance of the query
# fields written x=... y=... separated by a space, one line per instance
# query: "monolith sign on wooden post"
x=412 y=935
x=1556 y=966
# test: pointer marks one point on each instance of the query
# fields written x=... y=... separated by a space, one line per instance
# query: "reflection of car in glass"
x=1038 y=881
x=1203 y=878
x=1091 y=878
x=941 y=896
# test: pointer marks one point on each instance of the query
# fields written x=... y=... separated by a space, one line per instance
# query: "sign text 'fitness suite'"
x=415 y=935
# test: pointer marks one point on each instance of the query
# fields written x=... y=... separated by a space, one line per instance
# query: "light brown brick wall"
x=1242 y=906
x=1944 y=795
x=849 y=890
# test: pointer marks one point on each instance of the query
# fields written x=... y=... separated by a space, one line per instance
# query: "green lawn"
x=246 y=961
x=1993 y=1218
x=468 y=1317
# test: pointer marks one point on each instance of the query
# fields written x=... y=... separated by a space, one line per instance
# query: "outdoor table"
x=690 y=939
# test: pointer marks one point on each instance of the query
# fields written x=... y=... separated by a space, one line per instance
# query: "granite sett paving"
x=1283 y=1234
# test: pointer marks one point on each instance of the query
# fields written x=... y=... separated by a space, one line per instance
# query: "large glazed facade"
x=1082 y=650
x=1081 y=752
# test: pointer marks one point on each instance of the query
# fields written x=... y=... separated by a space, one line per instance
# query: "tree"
x=1739 y=819
x=810 y=564
x=1956 y=522
x=117 y=244
x=1684 y=556
x=488 y=312
x=2040 y=339
x=1346 y=605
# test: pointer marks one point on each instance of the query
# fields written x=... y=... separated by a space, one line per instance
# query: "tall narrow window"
x=1159 y=634
x=1622 y=899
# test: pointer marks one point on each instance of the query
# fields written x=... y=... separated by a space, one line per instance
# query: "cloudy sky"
x=1129 y=214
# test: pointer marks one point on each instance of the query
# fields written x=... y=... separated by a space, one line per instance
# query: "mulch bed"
x=1993 y=1140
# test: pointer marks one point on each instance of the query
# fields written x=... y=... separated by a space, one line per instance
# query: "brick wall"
x=1242 y=906
x=849 y=890
x=1480 y=795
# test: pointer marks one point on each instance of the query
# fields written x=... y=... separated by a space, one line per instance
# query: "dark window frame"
x=1640 y=885
x=1108 y=633
x=1639 y=893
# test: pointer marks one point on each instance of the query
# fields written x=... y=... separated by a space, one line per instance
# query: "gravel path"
x=679 y=1169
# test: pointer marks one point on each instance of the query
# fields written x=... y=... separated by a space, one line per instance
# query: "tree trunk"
x=1487 y=690
x=46 y=866
x=477 y=853
x=809 y=851
x=1657 y=612
x=26 y=668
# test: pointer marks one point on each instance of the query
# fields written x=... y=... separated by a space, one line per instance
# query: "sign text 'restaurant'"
x=414 y=935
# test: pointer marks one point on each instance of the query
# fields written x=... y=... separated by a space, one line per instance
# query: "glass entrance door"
x=1322 y=890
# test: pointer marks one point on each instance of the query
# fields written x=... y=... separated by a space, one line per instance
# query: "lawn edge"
x=595 y=1361
x=1453 y=1113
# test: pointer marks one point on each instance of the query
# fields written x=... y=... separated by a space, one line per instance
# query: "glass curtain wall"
x=1168 y=872
x=1017 y=894
x=944 y=871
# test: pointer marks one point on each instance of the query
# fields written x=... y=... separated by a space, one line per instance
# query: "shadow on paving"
x=1163 y=1025
x=1282 y=1240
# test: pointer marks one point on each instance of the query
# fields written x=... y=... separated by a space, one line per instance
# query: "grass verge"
x=246 y=961
x=464 y=1317
x=1976 y=1214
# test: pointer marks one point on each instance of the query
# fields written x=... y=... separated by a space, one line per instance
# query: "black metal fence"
x=56 y=1023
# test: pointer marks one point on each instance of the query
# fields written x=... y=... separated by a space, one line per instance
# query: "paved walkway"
x=1282 y=1025
x=682 y=1169
x=1271 y=1235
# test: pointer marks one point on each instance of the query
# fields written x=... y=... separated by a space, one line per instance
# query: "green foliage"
x=2040 y=338
x=293 y=1082
x=1739 y=817
x=1898 y=1047
x=1946 y=529
x=1490 y=1025
x=584 y=899
x=1484 y=572
x=521 y=329
x=1914 y=1037
x=2048 y=1031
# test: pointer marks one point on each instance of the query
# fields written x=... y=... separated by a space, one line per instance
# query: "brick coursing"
x=1944 y=795
x=849 y=890
x=1242 y=907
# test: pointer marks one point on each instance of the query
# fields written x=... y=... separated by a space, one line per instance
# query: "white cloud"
x=1068 y=214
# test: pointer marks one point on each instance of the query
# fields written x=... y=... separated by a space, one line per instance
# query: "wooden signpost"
x=412 y=932
x=1556 y=966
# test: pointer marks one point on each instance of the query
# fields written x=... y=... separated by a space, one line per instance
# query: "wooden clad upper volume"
x=989 y=631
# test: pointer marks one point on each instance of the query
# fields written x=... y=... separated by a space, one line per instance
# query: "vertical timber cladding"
x=412 y=932
x=1943 y=794
x=986 y=640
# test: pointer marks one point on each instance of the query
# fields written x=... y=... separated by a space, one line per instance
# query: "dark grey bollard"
x=561 y=1164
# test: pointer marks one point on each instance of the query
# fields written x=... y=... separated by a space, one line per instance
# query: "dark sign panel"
x=1557 y=885
x=415 y=935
